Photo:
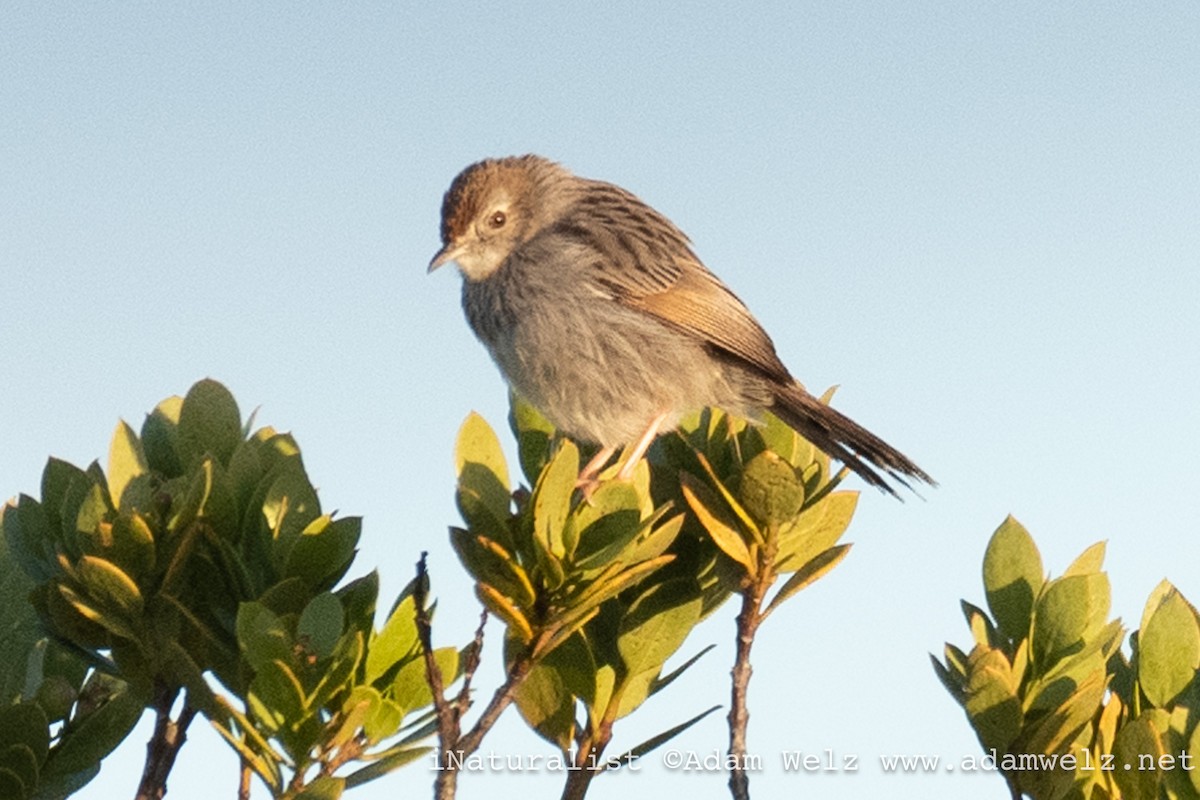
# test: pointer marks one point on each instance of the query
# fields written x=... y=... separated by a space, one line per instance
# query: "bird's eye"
x=497 y=219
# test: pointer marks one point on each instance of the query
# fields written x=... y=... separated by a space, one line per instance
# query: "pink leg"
x=589 y=473
x=639 y=449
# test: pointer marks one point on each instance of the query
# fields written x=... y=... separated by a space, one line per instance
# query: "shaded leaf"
x=657 y=623
x=808 y=574
x=126 y=460
x=320 y=625
x=552 y=499
x=1012 y=577
x=209 y=424
x=160 y=437
x=1136 y=751
x=262 y=636
x=410 y=689
x=656 y=741
x=383 y=766
x=1168 y=650
x=95 y=735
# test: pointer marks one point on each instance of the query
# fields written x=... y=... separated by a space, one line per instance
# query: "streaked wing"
x=698 y=303
x=648 y=264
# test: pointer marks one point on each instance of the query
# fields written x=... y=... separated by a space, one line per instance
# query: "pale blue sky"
x=979 y=219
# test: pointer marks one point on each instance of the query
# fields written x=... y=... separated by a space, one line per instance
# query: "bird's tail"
x=847 y=441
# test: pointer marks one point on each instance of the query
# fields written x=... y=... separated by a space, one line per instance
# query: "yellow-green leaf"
x=809 y=573
x=1012 y=577
x=1168 y=650
x=126 y=460
x=720 y=527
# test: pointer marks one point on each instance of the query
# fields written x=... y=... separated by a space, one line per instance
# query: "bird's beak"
x=448 y=253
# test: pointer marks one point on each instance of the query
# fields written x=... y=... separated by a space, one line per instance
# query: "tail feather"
x=844 y=439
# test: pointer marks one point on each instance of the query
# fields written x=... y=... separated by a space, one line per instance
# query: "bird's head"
x=495 y=205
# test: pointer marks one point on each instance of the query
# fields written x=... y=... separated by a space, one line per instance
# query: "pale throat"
x=477 y=265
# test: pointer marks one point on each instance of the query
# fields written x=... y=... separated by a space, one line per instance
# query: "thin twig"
x=445 y=784
x=589 y=754
x=169 y=735
x=244 y=781
x=739 y=715
x=453 y=745
x=753 y=591
x=470 y=665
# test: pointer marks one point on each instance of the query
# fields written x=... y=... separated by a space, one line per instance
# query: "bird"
x=598 y=312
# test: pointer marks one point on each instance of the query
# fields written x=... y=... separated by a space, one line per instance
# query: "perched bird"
x=599 y=314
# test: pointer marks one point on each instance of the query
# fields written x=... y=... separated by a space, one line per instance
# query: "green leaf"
x=1066 y=610
x=323 y=788
x=277 y=697
x=660 y=739
x=1168 y=650
x=547 y=705
x=358 y=705
x=254 y=750
x=1193 y=750
x=782 y=440
x=664 y=681
x=600 y=530
x=383 y=766
x=96 y=734
x=809 y=573
x=634 y=690
x=722 y=528
x=981 y=627
x=337 y=672
x=25 y=724
x=320 y=625
x=509 y=614
x=395 y=642
x=657 y=623
x=358 y=598
x=28 y=536
x=1136 y=741
x=991 y=701
x=18 y=759
x=1054 y=732
x=12 y=786
x=769 y=489
x=1089 y=561
x=132 y=545
x=262 y=636
x=951 y=680
x=488 y=561
x=1012 y=577
x=160 y=437
x=552 y=498
x=109 y=586
x=126 y=460
x=383 y=719
x=654 y=538
x=730 y=501
x=534 y=434
x=209 y=424
x=410 y=689
x=484 y=496
x=817 y=529
x=94 y=510
x=289 y=507
x=574 y=663
x=322 y=553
